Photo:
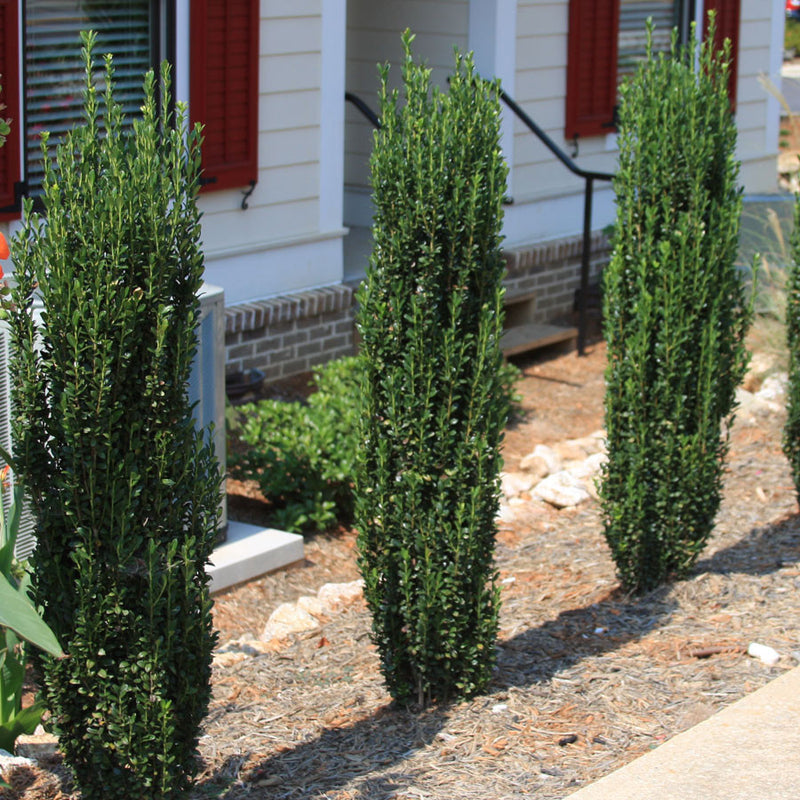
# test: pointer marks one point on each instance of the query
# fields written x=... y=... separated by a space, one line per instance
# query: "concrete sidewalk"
x=748 y=751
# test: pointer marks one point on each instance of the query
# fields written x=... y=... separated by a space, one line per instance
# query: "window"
x=223 y=40
x=632 y=36
x=606 y=41
x=54 y=73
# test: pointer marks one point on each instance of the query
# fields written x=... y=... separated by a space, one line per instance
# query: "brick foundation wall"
x=284 y=336
x=552 y=271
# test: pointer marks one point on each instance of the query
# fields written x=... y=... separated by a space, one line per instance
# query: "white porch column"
x=493 y=40
x=331 y=190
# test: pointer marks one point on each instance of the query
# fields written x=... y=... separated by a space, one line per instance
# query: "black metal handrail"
x=363 y=108
x=589 y=177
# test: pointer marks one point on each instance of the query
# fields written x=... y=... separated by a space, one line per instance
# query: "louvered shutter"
x=54 y=77
x=224 y=89
x=591 y=67
x=9 y=69
x=728 y=19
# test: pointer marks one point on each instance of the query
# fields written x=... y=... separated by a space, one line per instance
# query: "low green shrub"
x=302 y=455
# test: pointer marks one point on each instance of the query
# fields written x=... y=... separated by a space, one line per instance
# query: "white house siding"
x=374 y=28
x=278 y=244
x=541 y=59
x=760 y=53
x=548 y=198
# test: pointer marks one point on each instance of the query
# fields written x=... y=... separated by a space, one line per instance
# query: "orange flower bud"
x=4 y=251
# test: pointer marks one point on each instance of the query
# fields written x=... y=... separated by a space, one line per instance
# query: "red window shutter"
x=9 y=69
x=224 y=89
x=728 y=19
x=591 y=66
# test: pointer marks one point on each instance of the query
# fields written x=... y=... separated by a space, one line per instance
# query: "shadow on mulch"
x=340 y=755
x=390 y=735
x=762 y=551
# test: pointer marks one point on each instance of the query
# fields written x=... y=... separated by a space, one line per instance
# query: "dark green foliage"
x=303 y=455
x=791 y=433
x=124 y=489
x=430 y=321
x=675 y=315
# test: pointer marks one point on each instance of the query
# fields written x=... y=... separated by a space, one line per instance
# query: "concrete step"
x=251 y=551
x=531 y=336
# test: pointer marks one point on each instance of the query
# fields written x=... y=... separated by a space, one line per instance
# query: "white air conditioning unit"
x=206 y=391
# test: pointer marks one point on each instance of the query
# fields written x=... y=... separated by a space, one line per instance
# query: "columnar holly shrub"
x=675 y=314
x=791 y=433
x=124 y=489
x=430 y=320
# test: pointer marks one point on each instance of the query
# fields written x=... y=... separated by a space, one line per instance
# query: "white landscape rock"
x=761 y=365
x=589 y=468
x=751 y=406
x=540 y=463
x=562 y=490
x=310 y=612
x=336 y=596
x=311 y=604
x=286 y=619
x=515 y=483
x=774 y=388
x=506 y=513
x=8 y=761
x=764 y=653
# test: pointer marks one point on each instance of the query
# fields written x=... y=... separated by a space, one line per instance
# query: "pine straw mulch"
x=587 y=678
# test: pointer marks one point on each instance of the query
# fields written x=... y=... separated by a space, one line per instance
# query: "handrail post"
x=587 y=243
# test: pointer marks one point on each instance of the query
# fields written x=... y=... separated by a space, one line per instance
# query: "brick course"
x=286 y=335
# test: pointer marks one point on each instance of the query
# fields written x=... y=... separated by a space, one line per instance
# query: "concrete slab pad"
x=251 y=551
x=748 y=751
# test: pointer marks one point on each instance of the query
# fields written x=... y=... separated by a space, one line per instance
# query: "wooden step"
x=521 y=338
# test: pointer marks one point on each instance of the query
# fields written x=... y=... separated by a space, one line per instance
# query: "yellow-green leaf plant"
x=675 y=313
x=124 y=489
x=433 y=411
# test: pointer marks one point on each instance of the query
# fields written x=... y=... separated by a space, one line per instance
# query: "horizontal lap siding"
x=540 y=88
x=285 y=203
x=751 y=98
x=373 y=36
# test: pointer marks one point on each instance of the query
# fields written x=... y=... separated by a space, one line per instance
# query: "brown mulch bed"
x=587 y=677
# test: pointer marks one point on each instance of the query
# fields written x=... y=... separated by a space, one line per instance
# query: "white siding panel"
x=287 y=73
x=277 y=112
x=374 y=28
x=285 y=203
x=266 y=225
x=541 y=20
x=294 y=146
x=273 y=9
x=447 y=19
x=293 y=35
x=755 y=34
x=541 y=84
x=535 y=52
